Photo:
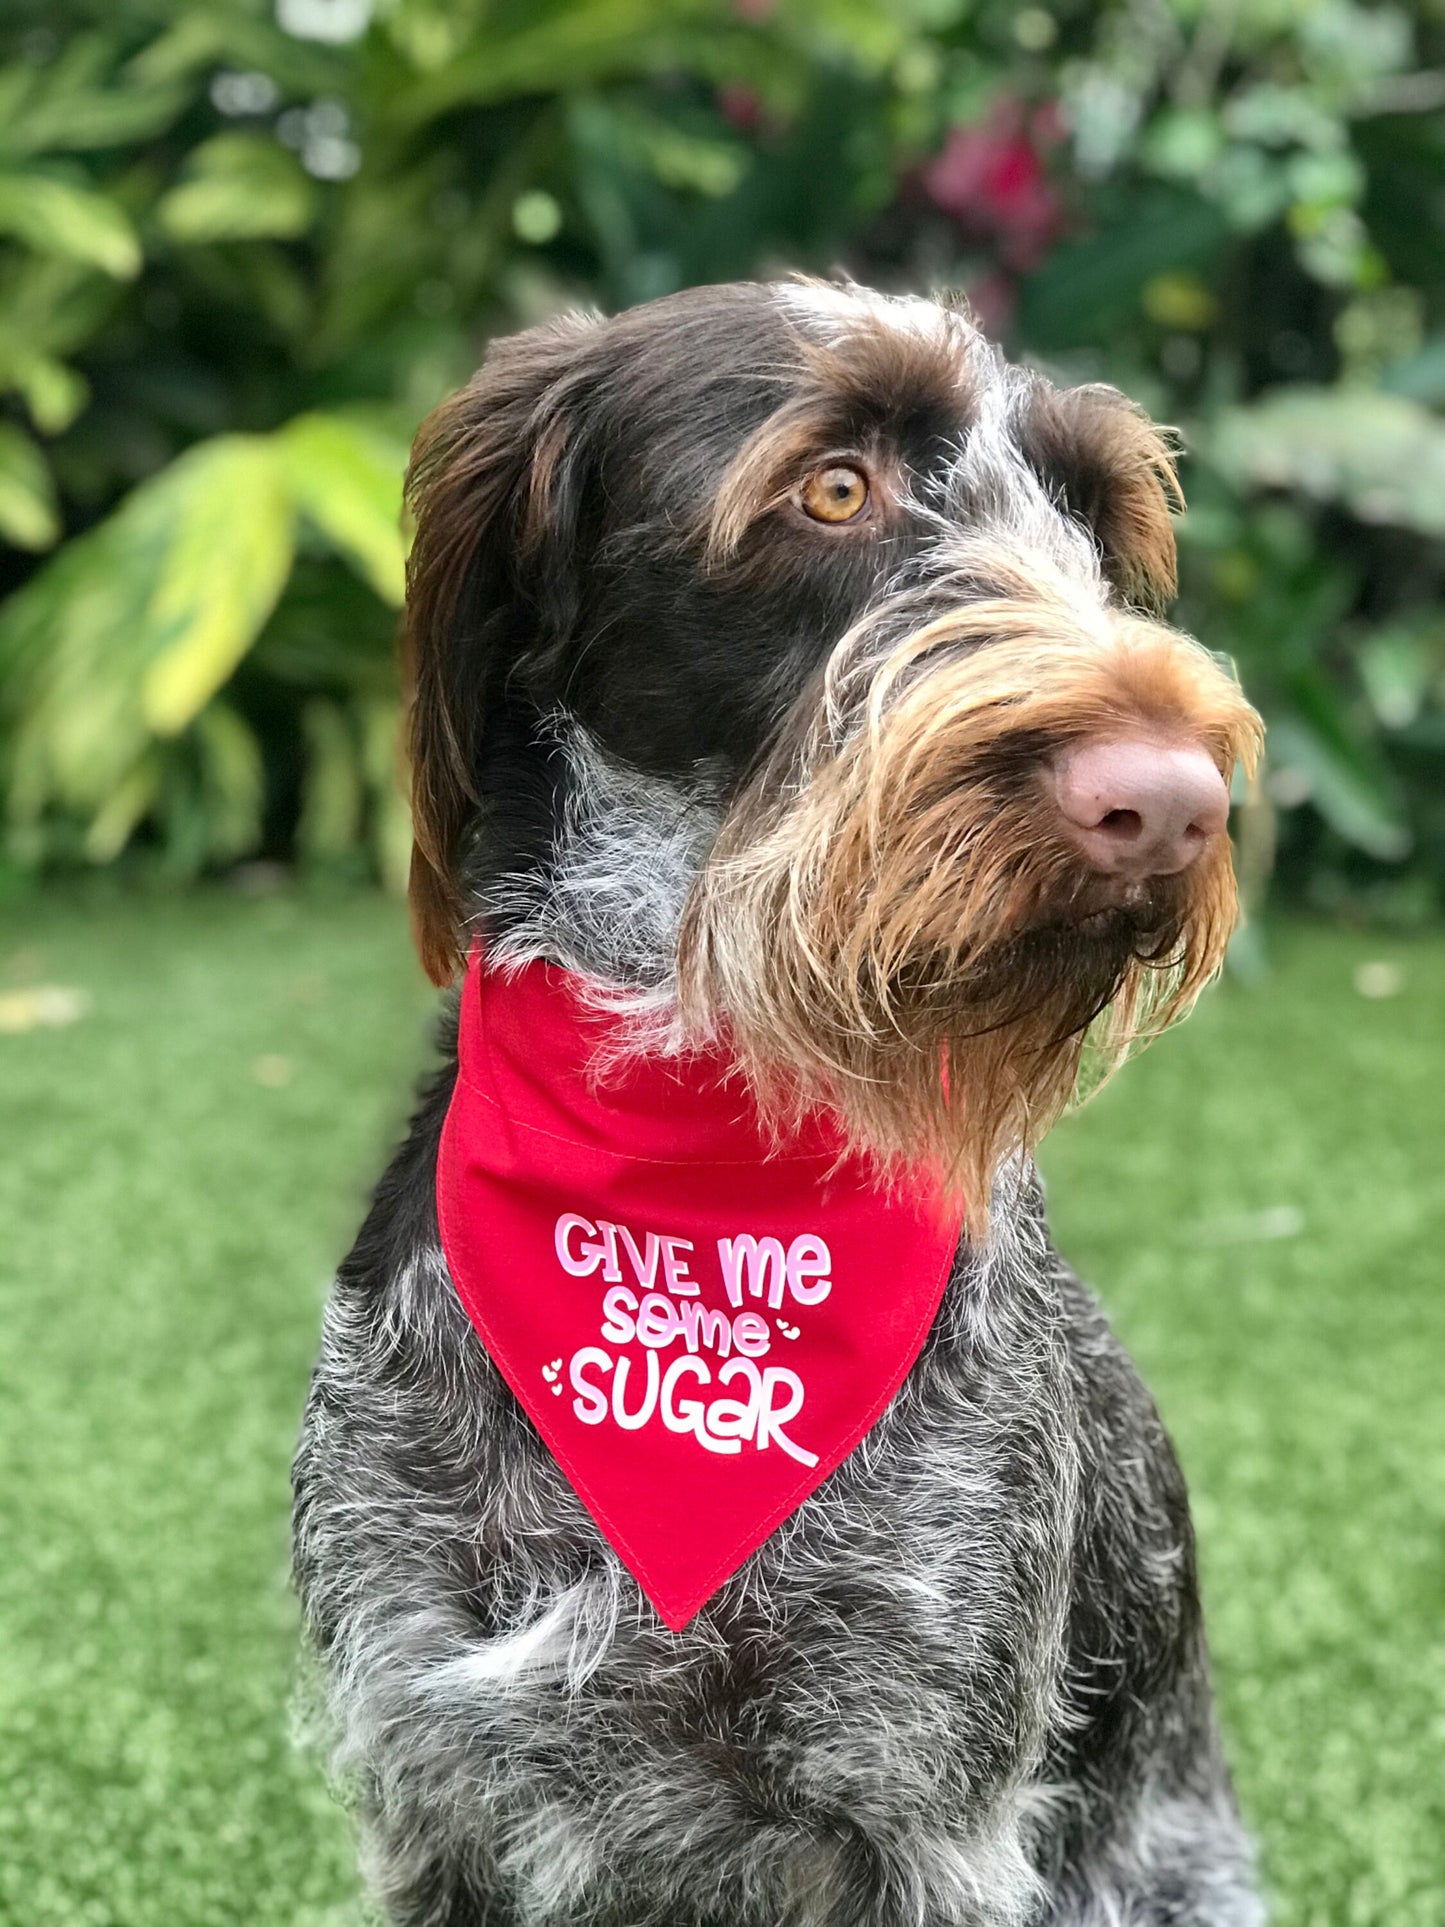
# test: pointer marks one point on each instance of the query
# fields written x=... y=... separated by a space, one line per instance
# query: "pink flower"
x=991 y=180
x=740 y=107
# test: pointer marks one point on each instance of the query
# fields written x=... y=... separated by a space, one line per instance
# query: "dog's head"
x=782 y=652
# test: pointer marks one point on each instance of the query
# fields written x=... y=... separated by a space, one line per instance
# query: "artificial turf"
x=1260 y=1199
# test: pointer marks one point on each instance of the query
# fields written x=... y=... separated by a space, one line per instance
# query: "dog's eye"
x=835 y=494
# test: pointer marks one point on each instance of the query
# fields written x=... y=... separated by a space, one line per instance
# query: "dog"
x=788 y=679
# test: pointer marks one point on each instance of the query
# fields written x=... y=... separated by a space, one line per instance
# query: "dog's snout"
x=1138 y=808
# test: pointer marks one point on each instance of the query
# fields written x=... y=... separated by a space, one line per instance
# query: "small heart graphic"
x=556 y=1391
x=788 y=1331
x=549 y=1372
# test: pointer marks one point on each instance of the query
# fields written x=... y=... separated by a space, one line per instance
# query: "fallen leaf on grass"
x=1379 y=979
x=1251 y=1227
x=41 y=1007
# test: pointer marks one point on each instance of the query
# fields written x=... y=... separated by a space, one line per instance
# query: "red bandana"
x=702 y=1324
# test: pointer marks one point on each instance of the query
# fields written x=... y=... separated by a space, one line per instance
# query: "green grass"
x=169 y=1212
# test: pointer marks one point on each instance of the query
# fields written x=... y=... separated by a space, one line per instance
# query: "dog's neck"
x=603 y=892
x=596 y=866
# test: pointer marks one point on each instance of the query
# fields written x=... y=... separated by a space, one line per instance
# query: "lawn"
x=1261 y=1200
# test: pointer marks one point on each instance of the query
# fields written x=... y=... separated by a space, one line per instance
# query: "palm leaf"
x=56 y=216
x=346 y=478
x=132 y=629
x=28 y=514
x=239 y=187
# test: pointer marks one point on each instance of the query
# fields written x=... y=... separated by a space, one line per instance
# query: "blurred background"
x=244 y=247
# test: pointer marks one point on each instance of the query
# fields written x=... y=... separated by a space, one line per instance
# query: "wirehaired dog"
x=787 y=671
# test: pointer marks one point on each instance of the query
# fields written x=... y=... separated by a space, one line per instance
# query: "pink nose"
x=1138 y=808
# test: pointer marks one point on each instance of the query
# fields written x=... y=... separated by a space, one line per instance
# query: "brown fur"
x=893 y=922
x=1115 y=469
x=967 y=1682
x=844 y=395
x=482 y=487
x=484 y=484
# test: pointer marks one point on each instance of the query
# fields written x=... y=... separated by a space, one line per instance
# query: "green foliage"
x=1267 y=1243
x=28 y=516
x=244 y=249
x=239 y=187
x=116 y=656
x=1380 y=456
x=55 y=216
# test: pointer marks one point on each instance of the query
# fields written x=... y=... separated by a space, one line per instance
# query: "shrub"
x=242 y=253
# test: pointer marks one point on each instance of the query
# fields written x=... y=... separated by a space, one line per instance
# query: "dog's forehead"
x=773 y=337
x=831 y=313
x=925 y=347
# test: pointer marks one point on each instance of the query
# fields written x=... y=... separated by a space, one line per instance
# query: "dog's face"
x=883 y=610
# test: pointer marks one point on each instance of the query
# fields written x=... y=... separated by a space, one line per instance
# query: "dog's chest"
x=896 y=1644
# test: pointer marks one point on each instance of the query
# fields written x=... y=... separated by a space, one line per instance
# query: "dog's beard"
x=894 y=923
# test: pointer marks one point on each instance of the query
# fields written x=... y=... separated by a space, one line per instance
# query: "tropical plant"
x=243 y=249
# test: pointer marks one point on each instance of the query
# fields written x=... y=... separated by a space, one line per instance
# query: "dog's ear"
x=1114 y=470
x=495 y=487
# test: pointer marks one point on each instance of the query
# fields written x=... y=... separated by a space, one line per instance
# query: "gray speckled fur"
x=965 y=1683
x=963 y=1686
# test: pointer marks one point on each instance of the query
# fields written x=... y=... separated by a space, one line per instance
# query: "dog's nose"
x=1138 y=808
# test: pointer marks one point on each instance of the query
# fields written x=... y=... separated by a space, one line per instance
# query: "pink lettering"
x=736 y=1418
x=590 y=1404
x=763 y=1260
x=679 y=1279
x=611 y=1271
x=802 y=1270
x=701 y=1325
x=751 y=1334
x=587 y=1257
x=646 y=1270
x=634 y=1421
x=772 y=1416
x=620 y=1309
x=690 y=1414
x=809 y=1258
x=658 y=1320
